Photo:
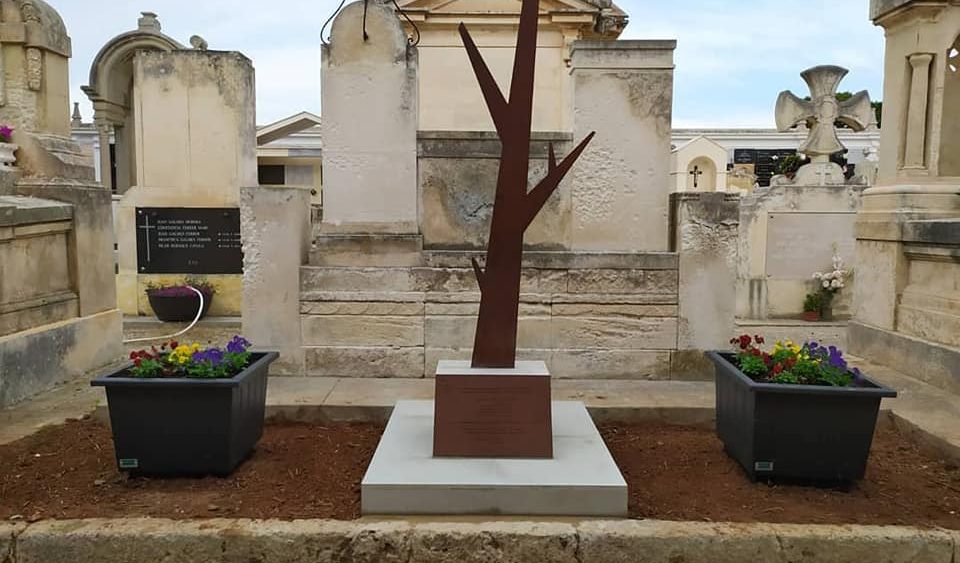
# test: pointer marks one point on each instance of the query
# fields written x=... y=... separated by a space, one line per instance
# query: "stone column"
x=106 y=166
x=623 y=90
x=704 y=234
x=275 y=226
x=916 y=131
x=908 y=315
x=370 y=119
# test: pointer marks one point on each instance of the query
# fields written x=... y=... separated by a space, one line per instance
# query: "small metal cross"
x=146 y=226
x=696 y=172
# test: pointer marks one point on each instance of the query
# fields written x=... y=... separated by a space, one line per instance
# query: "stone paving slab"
x=70 y=400
x=476 y=540
x=929 y=414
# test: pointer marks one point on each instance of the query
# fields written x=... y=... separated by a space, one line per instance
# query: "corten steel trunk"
x=186 y=426
x=809 y=432
x=178 y=308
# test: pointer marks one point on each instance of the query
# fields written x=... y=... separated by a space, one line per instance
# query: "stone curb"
x=431 y=541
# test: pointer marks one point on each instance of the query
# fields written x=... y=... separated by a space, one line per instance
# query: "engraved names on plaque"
x=178 y=240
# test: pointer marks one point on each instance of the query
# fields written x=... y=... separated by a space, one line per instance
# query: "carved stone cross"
x=822 y=111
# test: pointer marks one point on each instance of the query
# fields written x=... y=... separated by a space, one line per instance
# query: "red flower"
x=744 y=341
x=174 y=344
x=777 y=368
x=767 y=358
x=759 y=339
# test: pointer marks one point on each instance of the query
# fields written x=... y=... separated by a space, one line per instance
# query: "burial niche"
x=950 y=132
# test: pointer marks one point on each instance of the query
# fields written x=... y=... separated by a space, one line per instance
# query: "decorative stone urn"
x=7 y=158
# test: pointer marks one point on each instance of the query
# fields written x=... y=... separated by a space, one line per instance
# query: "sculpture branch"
x=539 y=195
x=496 y=103
x=478 y=272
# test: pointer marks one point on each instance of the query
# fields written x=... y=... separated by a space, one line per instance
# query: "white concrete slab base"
x=581 y=480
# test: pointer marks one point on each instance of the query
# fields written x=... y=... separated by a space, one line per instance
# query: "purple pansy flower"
x=212 y=355
x=238 y=345
x=6 y=132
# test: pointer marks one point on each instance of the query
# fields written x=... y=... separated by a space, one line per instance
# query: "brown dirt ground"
x=312 y=471
x=682 y=473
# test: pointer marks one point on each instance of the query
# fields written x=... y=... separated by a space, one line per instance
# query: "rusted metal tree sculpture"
x=495 y=342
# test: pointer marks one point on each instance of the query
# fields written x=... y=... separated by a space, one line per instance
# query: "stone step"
x=367 y=250
x=827 y=333
x=210 y=330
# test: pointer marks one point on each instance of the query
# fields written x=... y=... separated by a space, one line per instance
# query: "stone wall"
x=35 y=287
x=588 y=315
x=458 y=179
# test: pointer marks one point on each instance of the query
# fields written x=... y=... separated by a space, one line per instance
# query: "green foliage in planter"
x=190 y=360
x=790 y=363
x=813 y=302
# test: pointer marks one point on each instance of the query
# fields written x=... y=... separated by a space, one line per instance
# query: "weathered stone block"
x=119 y=541
x=364 y=361
x=67 y=350
x=472 y=309
x=606 y=281
x=494 y=542
x=316 y=541
x=357 y=279
x=833 y=544
x=272 y=541
x=361 y=330
x=612 y=309
x=625 y=541
x=458 y=332
x=650 y=333
x=8 y=535
x=361 y=308
x=609 y=364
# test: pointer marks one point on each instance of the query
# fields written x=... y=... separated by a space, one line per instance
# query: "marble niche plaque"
x=799 y=244
x=180 y=240
x=484 y=412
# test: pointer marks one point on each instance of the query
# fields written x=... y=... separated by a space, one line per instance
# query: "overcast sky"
x=733 y=56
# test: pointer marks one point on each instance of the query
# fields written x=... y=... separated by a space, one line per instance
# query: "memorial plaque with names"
x=745 y=156
x=180 y=240
x=799 y=244
x=766 y=166
x=492 y=413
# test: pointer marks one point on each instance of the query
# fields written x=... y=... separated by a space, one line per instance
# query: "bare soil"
x=682 y=473
x=314 y=471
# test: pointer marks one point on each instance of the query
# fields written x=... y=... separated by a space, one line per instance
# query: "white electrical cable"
x=195 y=319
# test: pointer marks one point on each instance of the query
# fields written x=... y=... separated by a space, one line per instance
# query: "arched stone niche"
x=700 y=165
x=110 y=91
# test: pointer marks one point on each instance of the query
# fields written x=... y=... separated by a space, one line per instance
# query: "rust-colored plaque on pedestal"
x=492 y=412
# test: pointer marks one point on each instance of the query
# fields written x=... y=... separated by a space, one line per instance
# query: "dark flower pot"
x=178 y=308
x=810 y=316
x=808 y=432
x=185 y=426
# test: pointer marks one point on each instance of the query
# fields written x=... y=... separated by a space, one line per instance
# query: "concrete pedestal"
x=580 y=480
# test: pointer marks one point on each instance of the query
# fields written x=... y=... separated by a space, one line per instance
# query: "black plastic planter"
x=178 y=308
x=181 y=426
x=807 y=432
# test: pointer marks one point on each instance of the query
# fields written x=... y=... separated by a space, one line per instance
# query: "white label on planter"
x=129 y=463
x=763 y=466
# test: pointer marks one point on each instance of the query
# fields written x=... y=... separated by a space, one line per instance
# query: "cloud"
x=732 y=58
